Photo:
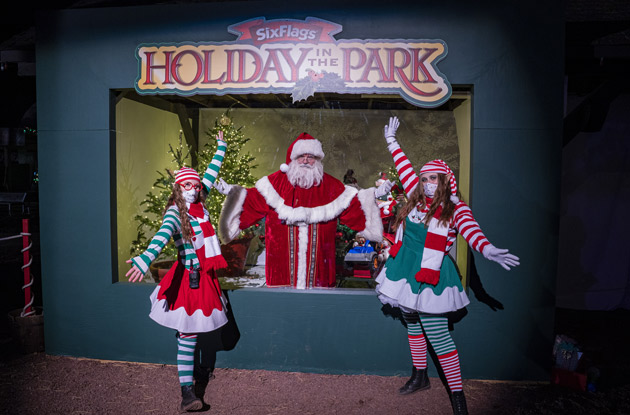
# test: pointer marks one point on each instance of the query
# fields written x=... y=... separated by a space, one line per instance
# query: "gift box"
x=568 y=360
x=566 y=353
x=568 y=378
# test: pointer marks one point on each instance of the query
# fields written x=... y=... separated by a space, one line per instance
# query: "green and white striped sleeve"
x=212 y=172
x=171 y=224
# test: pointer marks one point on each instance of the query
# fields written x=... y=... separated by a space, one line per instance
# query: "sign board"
x=299 y=58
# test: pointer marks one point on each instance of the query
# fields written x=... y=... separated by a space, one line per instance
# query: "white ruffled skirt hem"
x=181 y=321
x=399 y=294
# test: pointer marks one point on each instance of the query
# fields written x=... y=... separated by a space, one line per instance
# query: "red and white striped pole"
x=26 y=257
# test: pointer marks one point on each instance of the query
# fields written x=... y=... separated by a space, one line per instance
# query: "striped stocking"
x=185 y=357
x=417 y=341
x=436 y=329
x=450 y=366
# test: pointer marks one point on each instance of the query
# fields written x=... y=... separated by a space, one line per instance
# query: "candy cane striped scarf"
x=201 y=226
x=434 y=250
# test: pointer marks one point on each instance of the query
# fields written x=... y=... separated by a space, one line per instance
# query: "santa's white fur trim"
x=284 y=167
x=299 y=215
x=302 y=251
x=373 y=223
x=313 y=147
x=231 y=214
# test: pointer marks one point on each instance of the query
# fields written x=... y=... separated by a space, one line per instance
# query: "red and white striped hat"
x=186 y=173
x=439 y=166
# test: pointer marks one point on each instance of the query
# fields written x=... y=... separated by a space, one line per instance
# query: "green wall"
x=141 y=150
x=511 y=56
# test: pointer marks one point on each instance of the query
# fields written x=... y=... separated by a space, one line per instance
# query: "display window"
x=156 y=135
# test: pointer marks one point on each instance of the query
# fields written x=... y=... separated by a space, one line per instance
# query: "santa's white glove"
x=222 y=187
x=383 y=189
x=501 y=256
x=390 y=130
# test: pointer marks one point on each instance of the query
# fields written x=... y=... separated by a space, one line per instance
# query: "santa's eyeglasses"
x=189 y=185
x=308 y=157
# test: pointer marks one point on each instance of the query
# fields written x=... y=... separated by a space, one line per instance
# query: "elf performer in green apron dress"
x=189 y=298
x=418 y=277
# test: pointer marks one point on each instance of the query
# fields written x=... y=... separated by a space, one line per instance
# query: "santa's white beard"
x=305 y=175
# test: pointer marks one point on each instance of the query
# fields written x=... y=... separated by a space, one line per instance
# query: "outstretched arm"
x=470 y=230
x=210 y=176
x=170 y=225
x=407 y=175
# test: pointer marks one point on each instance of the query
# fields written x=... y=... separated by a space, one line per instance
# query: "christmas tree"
x=236 y=168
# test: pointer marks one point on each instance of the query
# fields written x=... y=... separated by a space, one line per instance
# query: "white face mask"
x=429 y=189
x=190 y=196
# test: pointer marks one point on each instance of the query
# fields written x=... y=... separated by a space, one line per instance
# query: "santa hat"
x=303 y=144
x=186 y=173
x=439 y=166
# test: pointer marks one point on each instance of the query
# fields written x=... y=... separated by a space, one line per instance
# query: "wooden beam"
x=189 y=133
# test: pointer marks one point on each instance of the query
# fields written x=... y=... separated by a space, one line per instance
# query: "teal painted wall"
x=511 y=55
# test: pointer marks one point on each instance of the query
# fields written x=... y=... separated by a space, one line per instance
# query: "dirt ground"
x=44 y=384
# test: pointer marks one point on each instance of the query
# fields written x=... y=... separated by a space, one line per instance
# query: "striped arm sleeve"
x=468 y=227
x=212 y=172
x=407 y=175
x=170 y=225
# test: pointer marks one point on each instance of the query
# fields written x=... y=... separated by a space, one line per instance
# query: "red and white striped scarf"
x=434 y=250
x=214 y=258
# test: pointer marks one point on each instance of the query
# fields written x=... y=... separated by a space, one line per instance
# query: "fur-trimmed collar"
x=304 y=215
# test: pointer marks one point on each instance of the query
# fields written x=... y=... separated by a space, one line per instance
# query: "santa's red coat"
x=300 y=225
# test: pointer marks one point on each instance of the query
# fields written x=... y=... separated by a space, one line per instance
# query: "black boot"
x=201 y=383
x=189 y=401
x=458 y=402
x=418 y=381
x=200 y=388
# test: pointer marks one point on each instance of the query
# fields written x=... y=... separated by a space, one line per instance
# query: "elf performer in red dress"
x=301 y=205
x=189 y=298
x=418 y=277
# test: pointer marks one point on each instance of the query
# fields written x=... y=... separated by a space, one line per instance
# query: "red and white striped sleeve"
x=468 y=227
x=407 y=175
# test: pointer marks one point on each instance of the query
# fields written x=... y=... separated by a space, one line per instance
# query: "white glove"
x=220 y=140
x=390 y=130
x=222 y=187
x=383 y=189
x=501 y=256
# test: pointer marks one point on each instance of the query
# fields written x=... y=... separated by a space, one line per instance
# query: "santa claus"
x=301 y=205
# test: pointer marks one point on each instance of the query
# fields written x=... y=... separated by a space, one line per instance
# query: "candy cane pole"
x=26 y=257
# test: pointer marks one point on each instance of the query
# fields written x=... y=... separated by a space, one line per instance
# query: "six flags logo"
x=296 y=57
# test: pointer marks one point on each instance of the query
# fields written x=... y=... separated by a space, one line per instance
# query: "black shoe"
x=418 y=381
x=202 y=376
x=200 y=388
x=458 y=402
x=189 y=401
